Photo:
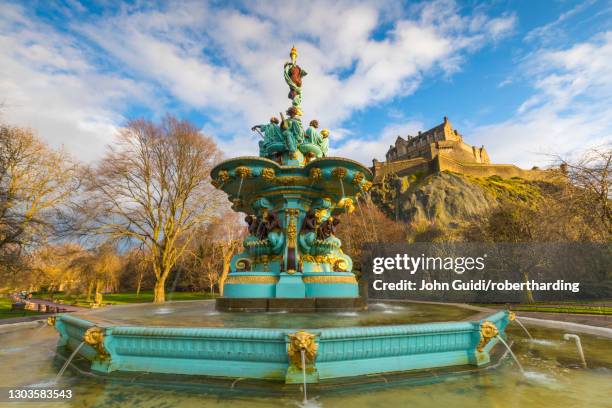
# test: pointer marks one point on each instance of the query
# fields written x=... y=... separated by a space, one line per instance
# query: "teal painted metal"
x=262 y=353
x=292 y=215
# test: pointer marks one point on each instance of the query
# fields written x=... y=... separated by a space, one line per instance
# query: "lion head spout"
x=299 y=341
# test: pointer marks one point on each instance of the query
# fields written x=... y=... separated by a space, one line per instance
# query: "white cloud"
x=48 y=84
x=500 y=27
x=570 y=111
x=365 y=149
x=227 y=62
x=230 y=61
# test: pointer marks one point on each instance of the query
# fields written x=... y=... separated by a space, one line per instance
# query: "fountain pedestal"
x=292 y=211
x=290 y=286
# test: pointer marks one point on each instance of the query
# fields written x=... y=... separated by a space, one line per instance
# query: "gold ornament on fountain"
x=358 y=178
x=366 y=186
x=268 y=174
x=315 y=173
x=243 y=171
x=94 y=336
x=51 y=320
x=223 y=175
x=488 y=331
x=339 y=172
x=511 y=316
x=293 y=54
x=347 y=204
x=299 y=341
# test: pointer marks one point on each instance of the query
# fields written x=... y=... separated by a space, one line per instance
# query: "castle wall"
x=443 y=162
x=401 y=167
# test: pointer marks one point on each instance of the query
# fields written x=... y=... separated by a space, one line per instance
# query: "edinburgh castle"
x=443 y=148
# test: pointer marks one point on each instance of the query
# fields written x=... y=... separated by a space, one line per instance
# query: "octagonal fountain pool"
x=194 y=339
x=553 y=374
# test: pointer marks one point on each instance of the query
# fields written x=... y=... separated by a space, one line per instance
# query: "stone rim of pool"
x=270 y=353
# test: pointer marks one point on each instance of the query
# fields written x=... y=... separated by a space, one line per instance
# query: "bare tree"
x=592 y=176
x=35 y=183
x=98 y=269
x=229 y=234
x=153 y=188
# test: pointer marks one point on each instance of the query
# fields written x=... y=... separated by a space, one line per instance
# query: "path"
x=46 y=305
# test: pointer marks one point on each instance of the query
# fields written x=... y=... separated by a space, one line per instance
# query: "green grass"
x=123 y=298
x=6 y=313
x=594 y=310
x=583 y=308
x=513 y=189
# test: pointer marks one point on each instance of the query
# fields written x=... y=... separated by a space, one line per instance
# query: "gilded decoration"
x=317 y=258
x=298 y=342
x=366 y=186
x=511 y=316
x=315 y=173
x=223 y=176
x=243 y=171
x=268 y=174
x=251 y=279
x=347 y=204
x=94 y=336
x=267 y=258
x=243 y=264
x=358 y=178
x=292 y=180
x=292 y=227
x=488 y=331
x=339 y=172
x=51 y=320
x=338 y=264
x=329 y=279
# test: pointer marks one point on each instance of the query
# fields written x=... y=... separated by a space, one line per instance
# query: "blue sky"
x=527 y=79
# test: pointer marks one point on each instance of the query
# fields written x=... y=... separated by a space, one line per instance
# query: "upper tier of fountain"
x=292 y=194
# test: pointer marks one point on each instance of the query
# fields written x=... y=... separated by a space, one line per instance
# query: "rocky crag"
x=448 y=199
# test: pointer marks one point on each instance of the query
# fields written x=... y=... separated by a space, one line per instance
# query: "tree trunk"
x=138 y=285
x=89 y=290
x=159 y=293
x=223 y=277
x=528 y=293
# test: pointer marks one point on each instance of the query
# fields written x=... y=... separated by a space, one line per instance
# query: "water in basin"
x=203 y=314
x=553 y=377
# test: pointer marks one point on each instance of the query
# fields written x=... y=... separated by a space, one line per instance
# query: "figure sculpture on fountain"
x=293 y=77
x=271 y=134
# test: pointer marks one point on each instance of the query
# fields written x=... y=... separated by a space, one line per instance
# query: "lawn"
x=5 y=310
x=594 y=307
x=123 y=298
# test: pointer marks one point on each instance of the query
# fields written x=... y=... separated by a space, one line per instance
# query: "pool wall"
x=275 y=353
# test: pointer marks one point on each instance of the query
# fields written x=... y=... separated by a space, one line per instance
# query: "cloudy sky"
x=524 y=78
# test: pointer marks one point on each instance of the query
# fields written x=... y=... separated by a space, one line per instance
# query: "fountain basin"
x=269 y=353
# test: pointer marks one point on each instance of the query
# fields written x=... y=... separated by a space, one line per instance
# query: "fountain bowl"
x=274 y=353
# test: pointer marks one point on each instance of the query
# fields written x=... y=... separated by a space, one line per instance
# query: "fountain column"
x=290 y=284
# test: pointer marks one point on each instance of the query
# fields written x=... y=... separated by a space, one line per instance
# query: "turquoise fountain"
x=293 y=196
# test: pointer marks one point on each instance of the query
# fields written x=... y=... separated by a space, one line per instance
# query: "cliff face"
x=448 y=199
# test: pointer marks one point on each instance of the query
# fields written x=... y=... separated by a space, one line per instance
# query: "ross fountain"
x=293 y=195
